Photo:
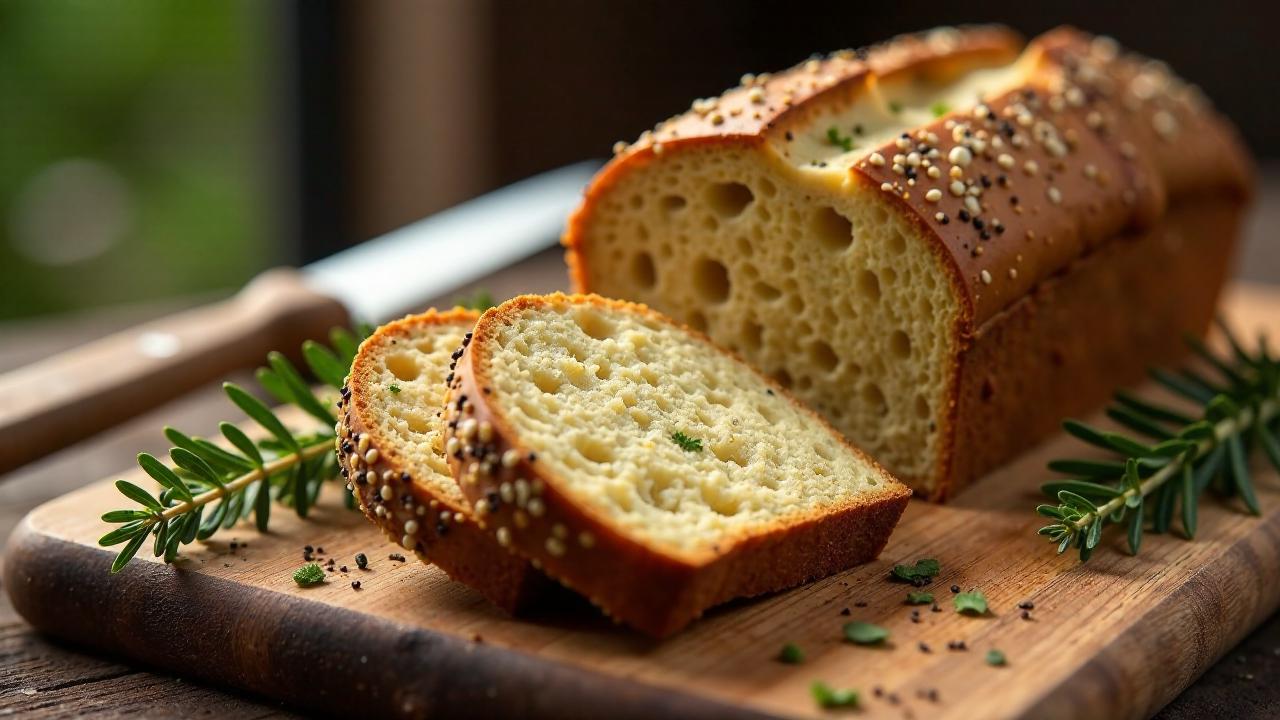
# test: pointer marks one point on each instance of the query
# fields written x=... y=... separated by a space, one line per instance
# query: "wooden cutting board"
x=1117 y=637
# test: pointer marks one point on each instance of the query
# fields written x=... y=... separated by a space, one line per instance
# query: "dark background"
x=190 y=145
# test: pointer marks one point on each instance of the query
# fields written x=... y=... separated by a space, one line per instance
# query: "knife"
x=55 y=402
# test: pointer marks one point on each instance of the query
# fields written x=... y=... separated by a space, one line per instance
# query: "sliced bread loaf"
x=646 y=468
x=390 y=446
x=945 y=243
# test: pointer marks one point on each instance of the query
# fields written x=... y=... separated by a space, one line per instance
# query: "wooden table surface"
x=40 y=676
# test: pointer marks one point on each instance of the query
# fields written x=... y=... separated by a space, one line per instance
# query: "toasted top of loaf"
x=649 y=429
x=1047 y=149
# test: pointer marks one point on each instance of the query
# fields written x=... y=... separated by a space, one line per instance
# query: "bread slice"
x=649 y=470
x=937 y=242
x=390 y=446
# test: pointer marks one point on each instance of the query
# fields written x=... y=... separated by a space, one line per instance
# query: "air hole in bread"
x=404 y=367
x=673 y=203
x=823 y=355
x=898 y=242
x=832 y=229
x=636 y=201
x=720 y=502
x=783 y=377
x=873 y=396
x=711 y=279
x=767 y=292
x=729 y=199
x=767 y=188
x=922 y=407
x=745 y=248
x=643 y=272
x=900 y=344
x=593 y=448
x=593 y=323
x=753 y=335
x=547 y=381
x=698 y=321
x=869 y=285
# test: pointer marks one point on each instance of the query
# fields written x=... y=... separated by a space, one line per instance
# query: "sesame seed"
x=485 y=431
x=363 y=444
x=876 y=159
x=504 y=536
x=960 y=155
x=536 y=508
x=555 y=546
x=387 y=492
x=406 y=542
x=586 y=539
x=1055 y=195
x=560 y=531
x=933 y=195
x=1013 y=273
x=619 y=147
x=986 y=277
x=411 y=527
x=957 y=188
x=1005 y=161
x=886 y=187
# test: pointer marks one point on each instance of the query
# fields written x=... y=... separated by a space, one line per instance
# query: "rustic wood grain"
x=1116 y=638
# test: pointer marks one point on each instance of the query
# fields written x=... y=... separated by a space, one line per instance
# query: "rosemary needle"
x=1179 y=455
x=209 y=487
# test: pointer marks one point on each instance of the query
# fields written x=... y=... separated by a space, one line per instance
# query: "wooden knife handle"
x=55 y=402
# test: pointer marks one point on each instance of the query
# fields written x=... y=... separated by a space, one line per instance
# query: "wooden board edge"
x=1197 y=624
x=284 y=647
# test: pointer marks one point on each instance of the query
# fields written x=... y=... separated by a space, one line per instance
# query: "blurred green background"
x=131 y=166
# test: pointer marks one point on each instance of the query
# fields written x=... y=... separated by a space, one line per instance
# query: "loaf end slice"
x=390 y=447
x=649 y=470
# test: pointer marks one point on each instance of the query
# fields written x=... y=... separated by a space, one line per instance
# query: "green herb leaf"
x=844 y=143
x=829 y=697
x=865 y=633
x=308 y=575
x=791 y=654
x=685 y=442
x=939 y=109
x=324 y=364
x=920 y=573
x=995 y=658
x=919 y=598
x=138 y=495
x=895 y=107
x=394 y=388
x=971 y=603
x=479 y=300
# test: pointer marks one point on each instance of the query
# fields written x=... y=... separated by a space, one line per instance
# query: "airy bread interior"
x=600 y=392
x=810 y=278
x=406 y=383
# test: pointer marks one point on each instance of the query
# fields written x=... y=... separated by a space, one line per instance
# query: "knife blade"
x=63 y=399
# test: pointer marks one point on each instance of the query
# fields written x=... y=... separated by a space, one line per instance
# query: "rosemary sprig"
x=210 y=487
x=1175 y=456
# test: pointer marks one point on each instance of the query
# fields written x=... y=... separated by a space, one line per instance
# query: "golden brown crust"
x=437 y=529
x=1037 y=362
x=1091 y=150
x=518 y=501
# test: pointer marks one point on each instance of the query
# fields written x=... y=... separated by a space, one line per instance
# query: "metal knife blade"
x=382 y=278
x=66 y=398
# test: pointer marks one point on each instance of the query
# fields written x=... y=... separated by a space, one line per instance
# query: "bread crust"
x=445 y=534
x=648 y=590
x=1109 y=143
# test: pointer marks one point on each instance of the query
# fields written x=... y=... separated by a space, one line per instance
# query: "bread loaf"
x=945 y=244
x=390 y=446
x=649 y=470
